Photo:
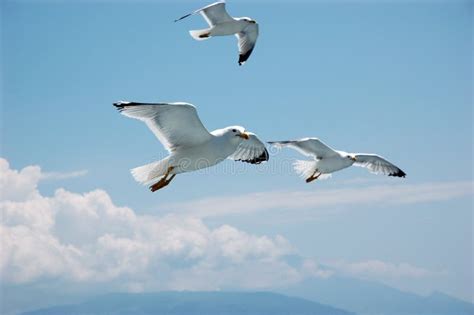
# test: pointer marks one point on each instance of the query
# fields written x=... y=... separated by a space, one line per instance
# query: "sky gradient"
x=393 y=78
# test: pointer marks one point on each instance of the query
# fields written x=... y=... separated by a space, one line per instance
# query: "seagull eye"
x=233 y=130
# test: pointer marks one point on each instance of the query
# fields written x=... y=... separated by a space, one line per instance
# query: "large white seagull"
x=190 y=144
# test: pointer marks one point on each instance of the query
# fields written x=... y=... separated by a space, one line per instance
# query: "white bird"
x=191 y=147
x=222 y=24
x=327 y=160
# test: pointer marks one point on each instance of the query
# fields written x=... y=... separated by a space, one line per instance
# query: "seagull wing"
x=174 y=124
x=309 y=147
x=214 y=13
x=377 y=164
x=246 y=41
x=251 y=151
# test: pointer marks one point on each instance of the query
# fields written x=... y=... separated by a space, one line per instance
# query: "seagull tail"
x=306 y=168
x=201 y=34
x=149 y=173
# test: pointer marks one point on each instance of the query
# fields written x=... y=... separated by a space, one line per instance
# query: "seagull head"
x=247 y=19
x=352 y=157
x=237 y=131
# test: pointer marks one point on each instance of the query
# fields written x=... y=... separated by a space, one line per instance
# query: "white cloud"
x=380 y=195
x=16 y=185
x=76 y=240
x=60 y=175
x=86 y=238
x=312 y=269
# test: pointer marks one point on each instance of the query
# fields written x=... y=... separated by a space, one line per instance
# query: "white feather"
x=150 y=173
x=174 y=124
x=306 y=168
x=197 y=33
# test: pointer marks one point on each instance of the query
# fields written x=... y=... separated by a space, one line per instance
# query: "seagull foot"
x=164 y=181
x=312 y=177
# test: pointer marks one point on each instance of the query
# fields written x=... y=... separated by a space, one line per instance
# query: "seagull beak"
x=353 y=158
x=253 y=22
x=244 y=135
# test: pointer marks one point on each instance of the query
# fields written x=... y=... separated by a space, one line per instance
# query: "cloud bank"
x=86 y=238
x=69 y=240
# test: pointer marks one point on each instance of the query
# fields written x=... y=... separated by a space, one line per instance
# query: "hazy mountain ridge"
x=339 y=296
x=187 y=303
x=372 y=298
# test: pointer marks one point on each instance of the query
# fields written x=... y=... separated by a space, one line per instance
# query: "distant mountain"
x=370 y=298
x=192 y=303
x=352 y=295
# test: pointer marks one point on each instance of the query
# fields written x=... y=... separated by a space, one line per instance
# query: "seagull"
x=222 y=24
x=191 y=146
x=327 y=160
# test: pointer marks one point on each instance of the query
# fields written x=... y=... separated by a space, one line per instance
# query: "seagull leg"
x=164 y=181
x=313 y=177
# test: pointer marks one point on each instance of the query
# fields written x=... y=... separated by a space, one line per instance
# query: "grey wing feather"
x=174 y=124
x=251 y=151
x=377 y=164
x=214 y=13
x=309 y=147
x=246 y=42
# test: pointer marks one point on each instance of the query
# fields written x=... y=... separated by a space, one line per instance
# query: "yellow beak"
x=244 y=135
x=353 y=158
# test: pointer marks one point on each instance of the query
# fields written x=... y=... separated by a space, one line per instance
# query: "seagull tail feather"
x=200 y=34
x=304 y=168
x=150 y=173
x=307 y=168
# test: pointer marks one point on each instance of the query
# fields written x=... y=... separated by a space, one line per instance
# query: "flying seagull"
x=222 y=24
x=327 y=160
x=191 y=147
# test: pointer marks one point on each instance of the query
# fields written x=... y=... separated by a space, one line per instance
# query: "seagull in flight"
x=222 y=24
x=327 y=160
x=191 y=146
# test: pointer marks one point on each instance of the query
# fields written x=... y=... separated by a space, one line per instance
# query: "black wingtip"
x=261 y=158
x=121 y=105
x=399 y=173
x=183 y=17
x=243 y=57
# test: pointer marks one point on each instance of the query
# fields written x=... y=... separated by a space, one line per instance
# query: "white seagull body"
x=327 y=160
x=222 y=24
x=190 y=144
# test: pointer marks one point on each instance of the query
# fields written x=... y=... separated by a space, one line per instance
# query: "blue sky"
x=393 y=78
